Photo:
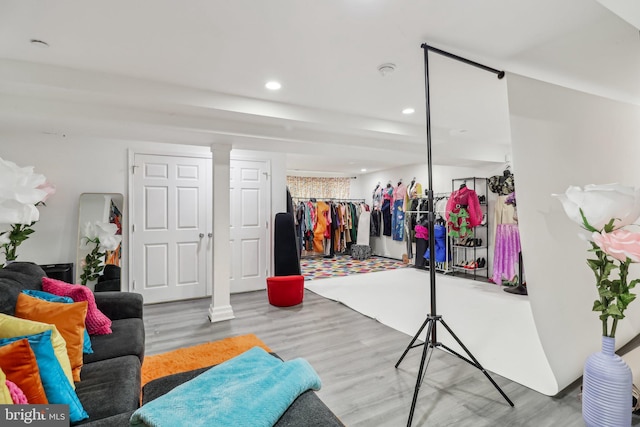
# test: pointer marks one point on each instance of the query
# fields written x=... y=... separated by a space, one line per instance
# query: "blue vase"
x=606 y=388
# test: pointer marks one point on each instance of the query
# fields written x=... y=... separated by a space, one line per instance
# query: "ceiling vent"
x=386 y=69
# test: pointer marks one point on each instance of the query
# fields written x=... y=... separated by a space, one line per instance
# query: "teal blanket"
x=251 y=390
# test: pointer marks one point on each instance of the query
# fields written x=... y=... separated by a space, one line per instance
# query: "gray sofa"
x=110 y=377
x=109 y=389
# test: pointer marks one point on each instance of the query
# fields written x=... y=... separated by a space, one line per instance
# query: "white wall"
x=75 y=165
x=562 y=137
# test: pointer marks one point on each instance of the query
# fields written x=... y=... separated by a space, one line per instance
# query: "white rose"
x=14 y=212
x=601 y=203
x=106 y=231
x=110 y=243
x=20 y=183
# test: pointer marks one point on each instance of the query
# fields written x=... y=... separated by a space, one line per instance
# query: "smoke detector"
x=386 y=68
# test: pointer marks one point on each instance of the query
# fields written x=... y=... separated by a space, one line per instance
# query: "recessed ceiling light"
x=39 y=43
x=363 y=170
x=408 y=111
x=273 y=85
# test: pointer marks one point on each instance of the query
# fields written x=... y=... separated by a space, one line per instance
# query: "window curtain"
x=321 y=188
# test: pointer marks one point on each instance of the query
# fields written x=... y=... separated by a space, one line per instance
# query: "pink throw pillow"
x=17 y=395
x=96 y=322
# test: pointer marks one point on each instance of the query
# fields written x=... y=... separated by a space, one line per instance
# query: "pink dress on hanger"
x=468 y=199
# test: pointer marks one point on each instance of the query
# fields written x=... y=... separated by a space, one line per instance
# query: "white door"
x=250 y=254
x=170 y=239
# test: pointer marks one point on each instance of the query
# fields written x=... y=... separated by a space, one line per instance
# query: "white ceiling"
x=194 y=71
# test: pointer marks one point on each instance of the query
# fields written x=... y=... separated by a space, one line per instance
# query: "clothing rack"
x=443 y=267
x=327 y=199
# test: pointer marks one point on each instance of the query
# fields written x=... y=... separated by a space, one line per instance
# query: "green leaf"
x=608 y=228
x=598 y=306
x=606 y=293
x=614 y=311
x=626 y=299
x=585 y=222
x=594 y=264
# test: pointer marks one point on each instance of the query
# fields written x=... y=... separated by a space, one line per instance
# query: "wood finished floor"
x=355 y=357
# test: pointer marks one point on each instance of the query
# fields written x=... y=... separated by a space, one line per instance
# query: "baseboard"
x=218 y=314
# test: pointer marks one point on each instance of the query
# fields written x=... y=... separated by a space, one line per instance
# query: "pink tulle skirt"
x=505 y=256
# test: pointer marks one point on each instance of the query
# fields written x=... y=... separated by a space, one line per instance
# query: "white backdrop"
x=563 y=137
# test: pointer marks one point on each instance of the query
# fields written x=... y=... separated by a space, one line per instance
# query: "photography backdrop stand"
x=431 y=341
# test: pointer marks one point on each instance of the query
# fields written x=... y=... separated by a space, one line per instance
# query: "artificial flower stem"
x=599 y=277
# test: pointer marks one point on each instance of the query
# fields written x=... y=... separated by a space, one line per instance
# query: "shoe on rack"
x=482 y=262
x=478 y=242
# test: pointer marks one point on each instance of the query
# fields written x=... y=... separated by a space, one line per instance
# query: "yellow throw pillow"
x=68 y=318
x=5 y=395
x=11 y=327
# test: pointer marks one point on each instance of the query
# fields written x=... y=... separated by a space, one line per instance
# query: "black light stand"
x=431 y=341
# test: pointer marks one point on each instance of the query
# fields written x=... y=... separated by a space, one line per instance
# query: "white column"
x=220 y=308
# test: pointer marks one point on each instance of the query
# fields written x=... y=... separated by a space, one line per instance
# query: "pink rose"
x=620 y=244
x=48 y=188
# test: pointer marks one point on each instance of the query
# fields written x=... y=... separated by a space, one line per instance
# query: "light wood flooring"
x=355 y=356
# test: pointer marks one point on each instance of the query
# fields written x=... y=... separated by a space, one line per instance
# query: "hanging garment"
x=386 y=217
x=377 y=197
x=397 y=221
x=503 y=214
x=299 y=208
x=376 y=222
x=502 y=184
x=440 y=242
x=321 y=227
x=408 y=237
x=422 y=243
x=507 y=248
x=354 y=222
x=463 y=212
x=364 y=222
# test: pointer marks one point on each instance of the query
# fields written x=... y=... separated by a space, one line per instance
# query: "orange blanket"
x=198 y=356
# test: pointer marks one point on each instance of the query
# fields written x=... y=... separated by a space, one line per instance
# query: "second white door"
x=250 y=254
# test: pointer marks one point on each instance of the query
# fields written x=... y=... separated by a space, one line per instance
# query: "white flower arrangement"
x=103 y=237
x=21 y=191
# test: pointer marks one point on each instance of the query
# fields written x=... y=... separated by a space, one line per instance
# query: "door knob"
x=201 y=235
x=210 y=235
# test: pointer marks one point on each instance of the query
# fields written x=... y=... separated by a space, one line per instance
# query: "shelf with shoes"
x=470 y=246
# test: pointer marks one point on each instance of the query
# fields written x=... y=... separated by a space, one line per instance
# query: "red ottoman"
x=285 y=291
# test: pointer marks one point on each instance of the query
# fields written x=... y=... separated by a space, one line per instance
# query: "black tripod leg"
x=410 y=346
x=421 y=371
x=478 y=365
